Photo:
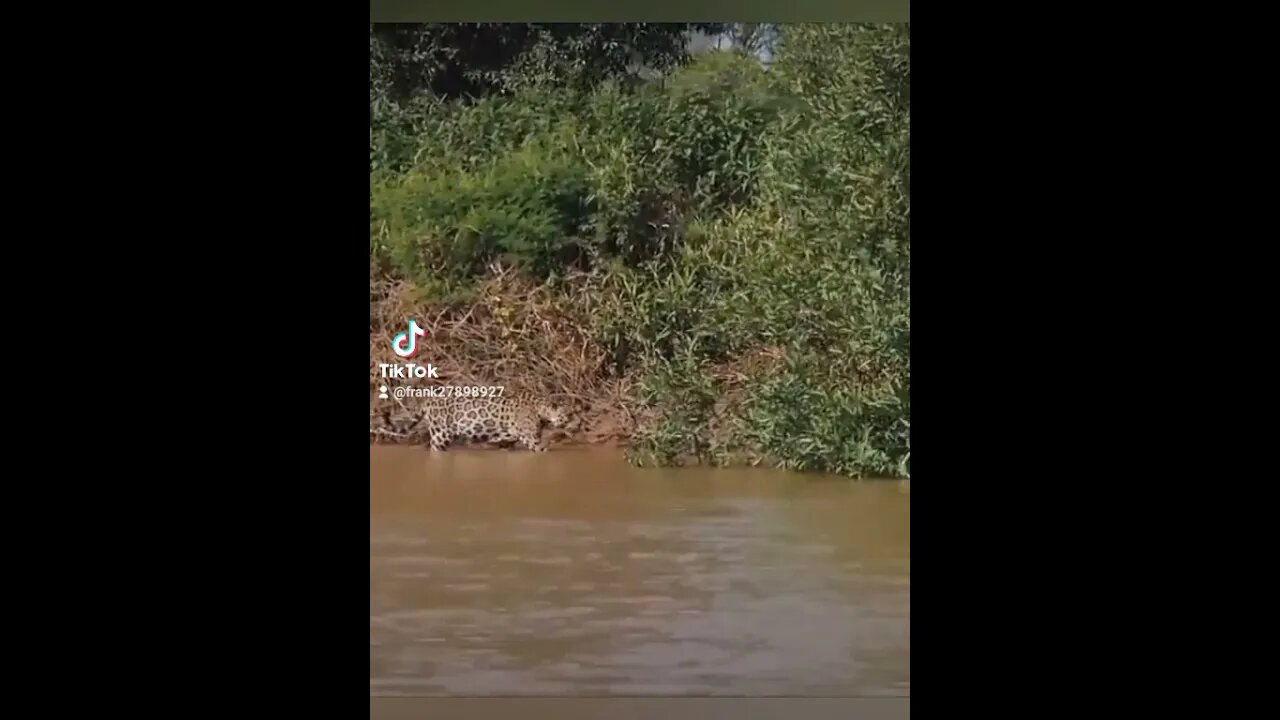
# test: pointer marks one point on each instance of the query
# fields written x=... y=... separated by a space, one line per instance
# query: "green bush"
x=616 y=173
x=818 y=266
x=526 y=208
x=665 y=155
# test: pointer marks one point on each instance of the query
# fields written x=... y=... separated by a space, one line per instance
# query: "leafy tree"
x=476 y=59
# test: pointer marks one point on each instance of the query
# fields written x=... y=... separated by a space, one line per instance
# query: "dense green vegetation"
x=736 y=239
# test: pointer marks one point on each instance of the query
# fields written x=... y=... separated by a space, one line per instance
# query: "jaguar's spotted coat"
x=515 y=417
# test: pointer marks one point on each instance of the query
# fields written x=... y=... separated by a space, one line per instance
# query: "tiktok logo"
x=406 y=343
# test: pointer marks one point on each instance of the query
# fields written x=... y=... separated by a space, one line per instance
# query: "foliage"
x=478 y=59
x=745 y=234
x=540 y=176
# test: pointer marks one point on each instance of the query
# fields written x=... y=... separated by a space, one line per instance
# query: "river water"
x=571 y=573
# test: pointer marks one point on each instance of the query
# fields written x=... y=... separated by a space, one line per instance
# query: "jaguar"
x=515 y=417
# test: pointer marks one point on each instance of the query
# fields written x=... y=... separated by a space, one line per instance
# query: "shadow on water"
x=569 y=572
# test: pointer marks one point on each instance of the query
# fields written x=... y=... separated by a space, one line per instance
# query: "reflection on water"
x=569 y=573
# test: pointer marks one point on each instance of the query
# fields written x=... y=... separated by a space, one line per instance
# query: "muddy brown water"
x=571 y=573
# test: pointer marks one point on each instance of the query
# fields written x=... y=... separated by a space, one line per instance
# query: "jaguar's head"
x=557 y=416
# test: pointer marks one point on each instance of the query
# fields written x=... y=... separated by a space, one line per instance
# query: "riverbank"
x=511 y=333
x=709 y=266
x=520 y=335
